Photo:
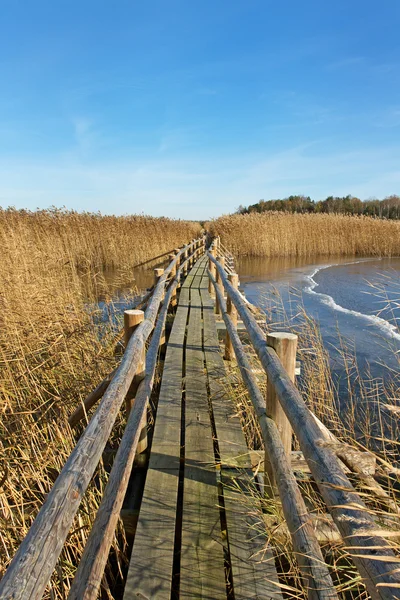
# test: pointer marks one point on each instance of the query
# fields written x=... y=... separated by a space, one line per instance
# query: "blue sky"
x=190 y=108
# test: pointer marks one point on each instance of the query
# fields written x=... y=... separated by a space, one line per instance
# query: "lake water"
x=357 y=299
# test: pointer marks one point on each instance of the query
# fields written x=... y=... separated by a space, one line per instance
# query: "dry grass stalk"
x=286 y=234
x=51 y=353
x=368 y=420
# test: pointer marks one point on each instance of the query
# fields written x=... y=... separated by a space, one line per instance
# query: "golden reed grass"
x=51 y=353
x=286 y=234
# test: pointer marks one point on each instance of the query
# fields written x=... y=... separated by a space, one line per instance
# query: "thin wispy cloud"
x=190 y=110
x=203 y=187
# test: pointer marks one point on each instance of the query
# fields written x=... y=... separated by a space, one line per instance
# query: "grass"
x=278 y=234
x=51 y=354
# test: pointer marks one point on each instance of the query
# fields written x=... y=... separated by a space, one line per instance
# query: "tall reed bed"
x=285 y=234
x=51 y=354
x=90 y=238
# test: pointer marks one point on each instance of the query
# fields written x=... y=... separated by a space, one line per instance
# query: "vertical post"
x=191 y=255
x=285 y=346
x=185 y=265
x=212 y=268
x=132 y=318
x=173 y=273
x=157 y=275
x=178 y=264
x=232 y=313
x=221 y=260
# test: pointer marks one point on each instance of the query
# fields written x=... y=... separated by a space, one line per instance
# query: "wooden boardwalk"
x=194 y=538
x=199 y=532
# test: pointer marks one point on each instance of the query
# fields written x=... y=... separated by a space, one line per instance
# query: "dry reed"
x=286 y=234
x=52 y=354
x=367 y=419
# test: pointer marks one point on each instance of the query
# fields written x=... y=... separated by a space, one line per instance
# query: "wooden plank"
x=232 y=445
x=192 y=274
x=308 y=552
x=253 y=570
x=150 y=569
x=202 y=561
x=253 y=563
x=90 y=570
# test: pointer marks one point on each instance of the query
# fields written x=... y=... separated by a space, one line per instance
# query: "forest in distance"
x=388 y=208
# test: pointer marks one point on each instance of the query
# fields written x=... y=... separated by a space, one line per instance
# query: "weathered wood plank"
x=305 y=543
x=232 y=445
x=155 y=534
x=90 y=571
x=253 y=563
x=150 y=569
x=253 y=571
x=202 y=559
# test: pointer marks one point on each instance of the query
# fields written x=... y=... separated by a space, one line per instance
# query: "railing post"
x=232 y=312
x=191 y=250
x=157 y=275
x=221 y=260
x=185 y=265
x=173 y=273
x=212 y=268
x=133 y=318
x=285 y=346
x=178 y=264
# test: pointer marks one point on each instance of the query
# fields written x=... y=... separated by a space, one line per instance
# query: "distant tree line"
x=388 y=208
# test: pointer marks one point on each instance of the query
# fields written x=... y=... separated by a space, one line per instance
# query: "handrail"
x=95 y=395
x=307 y=549
x=95 y=555
x=352 y=517
x=29 y=572
x=150 y=260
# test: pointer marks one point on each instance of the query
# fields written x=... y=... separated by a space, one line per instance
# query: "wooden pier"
x=194 y=537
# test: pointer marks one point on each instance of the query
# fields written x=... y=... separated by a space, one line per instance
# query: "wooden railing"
x=285 y=411
x=29 y=572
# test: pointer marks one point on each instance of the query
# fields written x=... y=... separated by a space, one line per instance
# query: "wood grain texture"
x=90 y=571
x=253 y=564
x=202 y=559
x=150 y=569
x=305 y=543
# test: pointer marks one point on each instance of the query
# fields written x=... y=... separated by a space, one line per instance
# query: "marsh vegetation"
x=51 y=353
